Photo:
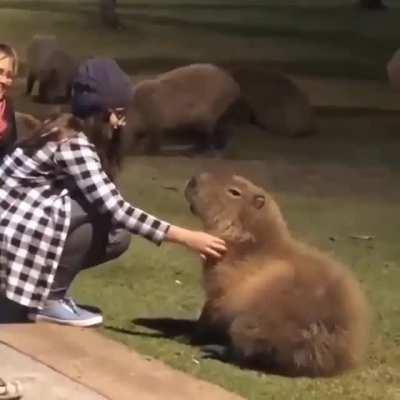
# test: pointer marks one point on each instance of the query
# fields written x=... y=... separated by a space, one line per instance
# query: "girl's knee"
x=118 y=242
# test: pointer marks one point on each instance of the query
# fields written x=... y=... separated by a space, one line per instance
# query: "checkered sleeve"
x=78 y=158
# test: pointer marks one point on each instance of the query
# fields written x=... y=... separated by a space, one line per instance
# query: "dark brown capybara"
x=192 y=98
x=276 y=103
x=52 y=67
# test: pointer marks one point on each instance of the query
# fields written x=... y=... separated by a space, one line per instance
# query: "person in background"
x=60 y=209
x=9 y=390
x=8 y=71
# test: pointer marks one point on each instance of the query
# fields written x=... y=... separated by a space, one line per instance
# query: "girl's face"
x=6 y=74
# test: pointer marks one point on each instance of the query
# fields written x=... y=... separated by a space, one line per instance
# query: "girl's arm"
x=207 y=245
x=77 y=157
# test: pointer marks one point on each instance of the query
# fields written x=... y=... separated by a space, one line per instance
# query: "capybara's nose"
x=192 y=183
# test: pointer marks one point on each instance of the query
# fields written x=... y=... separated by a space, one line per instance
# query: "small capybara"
x=52 y=67
x=283 y=306
x=276 y=103
x=192 y=98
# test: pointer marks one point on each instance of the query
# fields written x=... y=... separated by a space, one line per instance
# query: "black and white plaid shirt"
x=35 y=213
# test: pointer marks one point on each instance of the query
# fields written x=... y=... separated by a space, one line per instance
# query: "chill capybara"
x=275 y=102
x=52 y=67
x=281 y=305
x=192 y=98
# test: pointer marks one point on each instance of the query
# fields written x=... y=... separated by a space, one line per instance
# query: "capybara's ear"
x=74 y=123
x=258 y=201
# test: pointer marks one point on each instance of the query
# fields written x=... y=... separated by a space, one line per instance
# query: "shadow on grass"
x=184 y=331
x=181 y=330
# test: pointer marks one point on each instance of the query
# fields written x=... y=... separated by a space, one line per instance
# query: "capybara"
x=277 y=104
x=281 y=305
x=52 y=67
x=192 y=98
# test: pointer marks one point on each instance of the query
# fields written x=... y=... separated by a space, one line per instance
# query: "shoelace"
x=71 y=304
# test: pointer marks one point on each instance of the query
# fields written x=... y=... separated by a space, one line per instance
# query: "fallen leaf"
x=173 y=188
x=362 y=237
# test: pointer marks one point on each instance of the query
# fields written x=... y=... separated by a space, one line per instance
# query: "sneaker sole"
x=86 y=323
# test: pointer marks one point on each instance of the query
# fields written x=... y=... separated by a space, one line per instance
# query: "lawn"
x=341 y=182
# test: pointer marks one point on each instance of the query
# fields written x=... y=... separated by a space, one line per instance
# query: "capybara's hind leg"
x=208 y=328
x=153 y=142
x=250 y=346
x=30 y=81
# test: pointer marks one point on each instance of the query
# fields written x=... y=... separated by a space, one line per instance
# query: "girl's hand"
x=207 y=245
x=208 y=262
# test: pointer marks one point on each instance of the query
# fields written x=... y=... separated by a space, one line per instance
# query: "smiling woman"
x=8 y=70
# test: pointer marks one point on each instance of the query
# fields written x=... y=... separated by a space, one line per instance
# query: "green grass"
x=335 y=39
x=340 y=182
x=142 y=284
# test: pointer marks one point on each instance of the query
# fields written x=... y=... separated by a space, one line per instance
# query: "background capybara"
x=275 y=101
x=52 y=67
x=282 y=305
x=192 y=98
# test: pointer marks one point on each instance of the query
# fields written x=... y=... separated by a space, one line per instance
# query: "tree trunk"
x=108 y=14
x=373 y=4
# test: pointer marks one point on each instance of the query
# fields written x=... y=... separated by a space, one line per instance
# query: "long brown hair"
x=99 y=132
x=107 y=141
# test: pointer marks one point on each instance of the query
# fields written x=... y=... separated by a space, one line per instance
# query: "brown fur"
x=282 y=304
x=191 y=98
x=276 y=102
x=52 y=67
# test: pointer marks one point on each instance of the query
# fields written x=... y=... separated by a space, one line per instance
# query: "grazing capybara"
x=192 y=98
x=52 y=67
x=277 y=104
x=26 y=124
x=281 y=305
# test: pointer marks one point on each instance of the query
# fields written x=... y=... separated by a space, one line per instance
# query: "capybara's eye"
x=234 y=192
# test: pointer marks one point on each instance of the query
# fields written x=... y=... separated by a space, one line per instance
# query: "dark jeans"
x=91 y=241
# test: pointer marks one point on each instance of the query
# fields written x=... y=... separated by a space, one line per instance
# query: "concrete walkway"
x=39 y=381
x=55 y=362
